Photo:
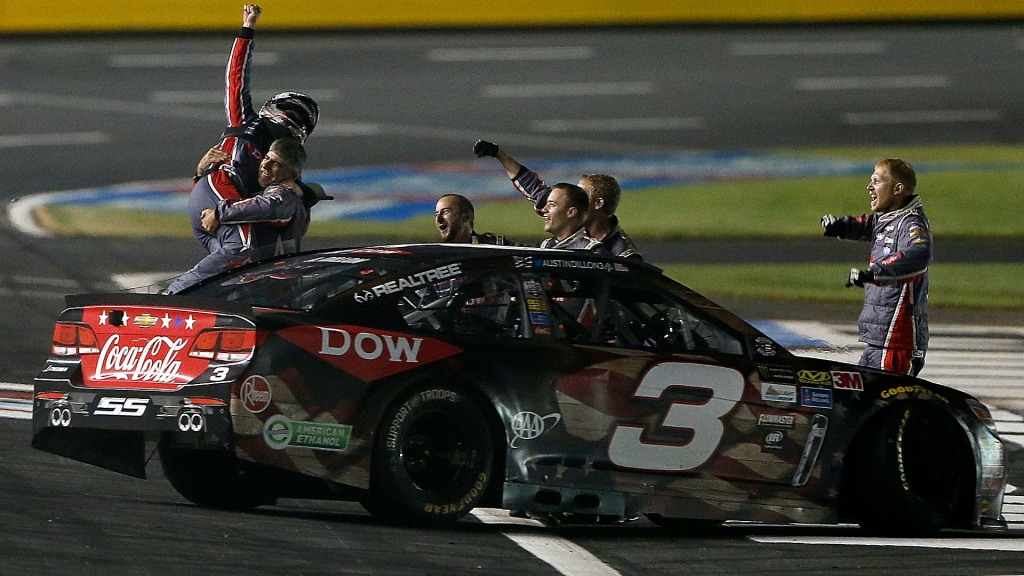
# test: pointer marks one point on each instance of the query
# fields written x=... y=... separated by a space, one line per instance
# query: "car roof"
x=434 y=252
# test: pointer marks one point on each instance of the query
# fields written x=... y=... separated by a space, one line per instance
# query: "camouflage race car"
x=425 y=380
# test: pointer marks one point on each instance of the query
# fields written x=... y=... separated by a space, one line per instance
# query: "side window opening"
x=626 y=315
x=481 y=303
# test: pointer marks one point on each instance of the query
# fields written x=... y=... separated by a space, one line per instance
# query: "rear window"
x=298 y=283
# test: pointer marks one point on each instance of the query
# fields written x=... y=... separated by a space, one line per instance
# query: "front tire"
x=912 y=473
x=433 y=458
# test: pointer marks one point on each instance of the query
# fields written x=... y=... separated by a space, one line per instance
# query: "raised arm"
x=237 y=98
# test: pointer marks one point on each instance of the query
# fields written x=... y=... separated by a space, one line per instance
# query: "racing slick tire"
x=433 y=458
x=912 y=472
x=214 y=479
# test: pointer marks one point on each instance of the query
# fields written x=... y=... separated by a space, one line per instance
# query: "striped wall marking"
x=808 y=48
x=179 y=60
x=617 y=124
x=510 y=54
x=1005 y=545
x=55 y=139
x=574 y=89
x=921 y=117
x=561 y=554
x=18 y=407
x=870 y=82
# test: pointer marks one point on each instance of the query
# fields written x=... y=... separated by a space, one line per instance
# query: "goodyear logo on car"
x=279 y=433
x=814 y=378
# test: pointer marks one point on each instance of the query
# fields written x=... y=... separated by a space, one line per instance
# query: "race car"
x=426 y=380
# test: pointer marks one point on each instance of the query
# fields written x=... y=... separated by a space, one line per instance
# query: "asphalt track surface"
x=81 y=112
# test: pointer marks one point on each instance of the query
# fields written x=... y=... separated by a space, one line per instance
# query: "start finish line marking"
x=563 y=555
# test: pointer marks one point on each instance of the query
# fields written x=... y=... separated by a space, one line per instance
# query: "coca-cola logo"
x=156 y=361
x=255 y=394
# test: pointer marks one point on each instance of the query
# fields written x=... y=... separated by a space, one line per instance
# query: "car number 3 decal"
x=628 y=450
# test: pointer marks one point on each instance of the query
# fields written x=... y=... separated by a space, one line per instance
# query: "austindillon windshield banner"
x=140 y=15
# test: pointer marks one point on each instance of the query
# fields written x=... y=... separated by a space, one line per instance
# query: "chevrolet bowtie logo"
x=145 y=320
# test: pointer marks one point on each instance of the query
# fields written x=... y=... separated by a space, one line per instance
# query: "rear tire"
x=912 y=472
x=214 y=479
x=433 y=458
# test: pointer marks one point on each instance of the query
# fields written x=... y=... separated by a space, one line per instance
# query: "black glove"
x=830 y=225
x=484 y=148
x=860 y=277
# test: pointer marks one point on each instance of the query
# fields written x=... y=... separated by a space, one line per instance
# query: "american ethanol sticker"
x=279 y=433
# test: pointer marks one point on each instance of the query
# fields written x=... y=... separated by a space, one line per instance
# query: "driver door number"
x=111 y=406
x=629 y=450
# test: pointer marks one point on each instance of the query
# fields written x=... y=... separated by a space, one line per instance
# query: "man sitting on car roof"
x=282 y=216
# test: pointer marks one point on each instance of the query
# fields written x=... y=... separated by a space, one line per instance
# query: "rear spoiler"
x=135 y=299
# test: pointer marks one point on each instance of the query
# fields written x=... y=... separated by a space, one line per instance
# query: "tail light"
x=73 y=340
x=226 y=345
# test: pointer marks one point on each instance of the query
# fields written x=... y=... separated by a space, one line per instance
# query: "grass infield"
x=991 y=286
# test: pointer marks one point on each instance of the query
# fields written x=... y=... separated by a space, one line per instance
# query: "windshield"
x=301 y=282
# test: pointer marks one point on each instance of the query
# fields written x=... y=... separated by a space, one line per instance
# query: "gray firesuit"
x=894 y=321
x=529 y=184
x=283 y=220
x=578 y=240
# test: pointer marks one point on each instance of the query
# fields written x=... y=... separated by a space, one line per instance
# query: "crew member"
x=564 y=217
x=894 y=321
x=603 y=195
x=453 y=216
x=280 y=213
x=229 y=170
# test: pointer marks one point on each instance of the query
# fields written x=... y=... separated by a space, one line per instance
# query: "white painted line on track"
x=561 y=554
x=808 y=48
x=509 y=54
x=217 y=96
x=14 y=387
x=348 y=129
x=183 y=60
x=870 y=82
x=56 y=139
x=617 y=124
x=139 y=281
x=921 y=117
x=1017 y=439
x=1005 y=545
x=567 y=89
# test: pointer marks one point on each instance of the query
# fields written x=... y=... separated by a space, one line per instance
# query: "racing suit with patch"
x=246 y=139
x=283 y=220
x=529 y=184
x=578 y=240
x=894 y=321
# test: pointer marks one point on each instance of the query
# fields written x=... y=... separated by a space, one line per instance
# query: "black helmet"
x=294 y=111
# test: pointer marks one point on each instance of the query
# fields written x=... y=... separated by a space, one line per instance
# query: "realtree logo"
x=155 y=362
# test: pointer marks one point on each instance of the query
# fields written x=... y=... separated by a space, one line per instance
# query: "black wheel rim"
x=441 y=454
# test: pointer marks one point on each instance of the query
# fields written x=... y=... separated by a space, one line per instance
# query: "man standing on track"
x=894 y=321
x=229 y=170
x=603 y=194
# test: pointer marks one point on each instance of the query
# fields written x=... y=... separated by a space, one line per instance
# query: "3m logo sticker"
x=366 y=353
x=847 y=381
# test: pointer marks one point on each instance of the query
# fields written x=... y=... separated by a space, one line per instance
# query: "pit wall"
x=54 y=16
